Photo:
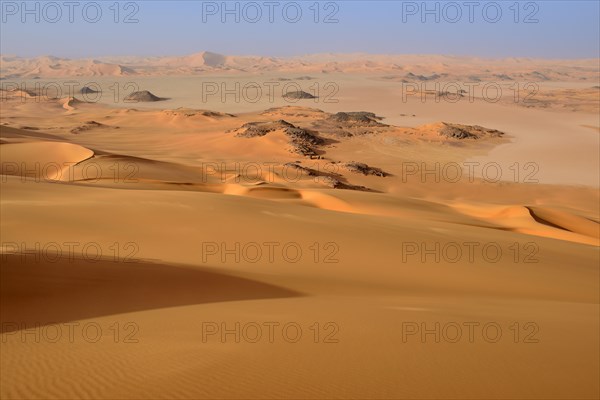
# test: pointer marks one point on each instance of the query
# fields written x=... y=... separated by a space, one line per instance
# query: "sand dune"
x=384 y=294
x=175 y=189
x=525 y=220
x=42 y=160
x=566 y=221
x=409 y=68
x=75 y=289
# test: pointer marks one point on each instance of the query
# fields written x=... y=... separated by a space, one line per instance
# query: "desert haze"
x=326 y=226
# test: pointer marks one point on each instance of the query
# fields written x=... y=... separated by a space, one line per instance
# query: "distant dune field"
x=375 y=246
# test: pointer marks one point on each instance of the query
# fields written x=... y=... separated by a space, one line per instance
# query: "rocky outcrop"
x=457 y=131
x=302 y=141
x=298 y=95
x=89 y=90
x=143 y=96
x=89 y=125
x=358 y=118
x=362 y=168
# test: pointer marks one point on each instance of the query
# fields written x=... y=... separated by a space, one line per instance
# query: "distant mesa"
x=205 y=59
x=88 y=90
x=358 y=118
x=412 y=76
x=457 y=131
x=189 y=112
x=294 y=111
x=216 y=114
x=451 y=95
x=503 y=77
x=538 y=75
x=143 y=96
x=297 y=95
x=300 y=78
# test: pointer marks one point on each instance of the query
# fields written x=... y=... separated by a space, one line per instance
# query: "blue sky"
x=549 y=29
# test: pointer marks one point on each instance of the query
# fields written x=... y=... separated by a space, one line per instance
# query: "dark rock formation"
x=335 y=183
x=88 y=90
x=298 y=95
x=301 y=140
x=457 y=131
x=143 y=96
x=89 y=125
x=362 y=168
x=359 y=118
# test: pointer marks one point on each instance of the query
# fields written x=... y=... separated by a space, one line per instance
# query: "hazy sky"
x=550 y=29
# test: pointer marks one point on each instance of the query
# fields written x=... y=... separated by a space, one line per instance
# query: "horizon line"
x=201 y=52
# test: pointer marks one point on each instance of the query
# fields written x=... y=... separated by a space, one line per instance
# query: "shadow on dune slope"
x=40 y=292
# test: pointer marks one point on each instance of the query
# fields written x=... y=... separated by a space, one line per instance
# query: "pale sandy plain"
x=168 y=200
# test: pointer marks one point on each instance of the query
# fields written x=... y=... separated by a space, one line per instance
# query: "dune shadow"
x=34 y=290
x=26 y=133
x=543 y=221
